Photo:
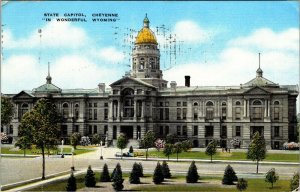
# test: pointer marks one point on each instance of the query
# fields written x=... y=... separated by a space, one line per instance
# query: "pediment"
x=257 y=91
x=23 y=95
x=130 y=82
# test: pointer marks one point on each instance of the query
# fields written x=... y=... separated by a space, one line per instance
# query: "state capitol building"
x=142 y=101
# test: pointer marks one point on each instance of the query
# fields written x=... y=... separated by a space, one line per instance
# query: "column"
x=265 y=114
x=268 y=114
x=135 y=109
x=143 y=106
x=245 y=106
x=248 y=108
x=118 y=109
x=110 y=109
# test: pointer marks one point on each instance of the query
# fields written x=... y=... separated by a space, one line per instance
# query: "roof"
x=47 y=88
x=132 y=79
x=146 y=35
x=260 y=81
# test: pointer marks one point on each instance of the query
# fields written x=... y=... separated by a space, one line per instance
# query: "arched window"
x=238 y=103
x=195 y=104
x=24 y=108
x=256 y=110
x=76 y=110
x=224 y=111
x=128 y=102
x=209 y=110
x=276 y=110
x=276 y=102
x=65 y=110
x=223 y=103
x=195 y=110
x=257 y=102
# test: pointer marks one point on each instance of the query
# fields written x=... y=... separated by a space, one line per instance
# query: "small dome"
x=146 y=35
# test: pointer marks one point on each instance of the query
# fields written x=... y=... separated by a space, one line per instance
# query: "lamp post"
x=101 y=157
x=61 y=150
x=72 y=168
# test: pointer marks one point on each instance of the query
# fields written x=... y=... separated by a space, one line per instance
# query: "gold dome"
x=145 y=35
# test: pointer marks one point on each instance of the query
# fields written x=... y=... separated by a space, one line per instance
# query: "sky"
x=217 y=43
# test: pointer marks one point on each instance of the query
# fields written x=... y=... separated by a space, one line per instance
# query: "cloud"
x=110 y=54
x=191 y=32
x=237 y=63
x=54 y=35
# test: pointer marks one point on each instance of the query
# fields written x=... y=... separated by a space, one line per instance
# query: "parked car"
x=118 y=154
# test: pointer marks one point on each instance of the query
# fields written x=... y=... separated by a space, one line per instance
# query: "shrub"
x=117 y=178
x=158 y=176
x=229 y=176
x=71 y=186
x=131 y=149
x=294 y=182
x=186 y=145
x=166 y=170
x=90 y=180
x=134 y=177
x=96 y=139
x=105 y=174
x=271 y=177
x=140 y=170
x=192 y=175
x=168 y=150
x=75 y=139
x=242 y=184
x=170 y=138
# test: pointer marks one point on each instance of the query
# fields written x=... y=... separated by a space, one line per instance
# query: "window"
x=195 y=130
x=184 y=111
x=195 y=104
x=223 y=131
x=184 y=130
x=161 y=130
x=24 y=108
x=161 y=104
x=238 y=131
x=178 y=113
x=128 y=102
x=178 y=130
x=167 y=130
x=90 y=105
x=256 y=110
x=167 y=104
x=64 y=130
x=178 y=104
x=237 y=103
x=76 y=111
x=115 y=92
x=90 y=113
x=95 y=104
x=95 y=114
x=95 y=128
x=65 y=110
x=224 y=112
x=184 y=104
x=237 y=113
x=105 y=104
x=161 y=113
x=276 y=113
x=105 y=114
x=11 y=129
x=76 y=128
x=209 y=131
x=166 y=113
x=195 y=113
x=139 y=91
x=114 y=132
x=90 y=129
x=276 y=131
x=139 y=108
x=209 y=110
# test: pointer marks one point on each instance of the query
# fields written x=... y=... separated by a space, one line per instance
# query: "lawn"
x=34 y=151
x=225 y=156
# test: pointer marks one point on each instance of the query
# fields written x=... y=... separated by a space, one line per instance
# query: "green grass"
x=226 y=156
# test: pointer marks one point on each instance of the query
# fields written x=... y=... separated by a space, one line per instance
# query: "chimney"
x=187 y=80
x=101 y=87
x=173 y=84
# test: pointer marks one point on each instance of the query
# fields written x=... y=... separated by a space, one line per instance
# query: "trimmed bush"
x=134 y=177
x=89 y=179
x=229 y=176
x=71 y=186
x=105 y=174
x=192 y=175
x=294 y=182
x=140 y=170
x=158 y=176
x=242 y=184
x=271 y=177
x=166 y=170
x=117 y=178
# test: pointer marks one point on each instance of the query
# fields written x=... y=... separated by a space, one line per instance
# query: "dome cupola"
x=146 y=35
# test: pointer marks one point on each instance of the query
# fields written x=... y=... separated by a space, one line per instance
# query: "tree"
x=75 y=139
x=158 y=176
x=229 y=176
x=192 y=175
x=96 y=139
x=177 y=149
x=25 y=136
x=43 y=121
x=242 y=184
x=170 y=138
x=294 y=184
x=168 y=150
x=166 y=170
x=134 y=177
x=140 y=170
x=271 y=177
x=71 y=186
x=7 y=110
x=105 y=174
x=148 y=141
x=89 y=179
x=121 y=143
x=117 y=178
x=257 y=149
x=186 y=145
x=211 y=149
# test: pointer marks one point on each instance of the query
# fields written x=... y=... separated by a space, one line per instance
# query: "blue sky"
x=220 y=42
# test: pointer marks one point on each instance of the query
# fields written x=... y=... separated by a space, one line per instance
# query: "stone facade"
x=141 y=101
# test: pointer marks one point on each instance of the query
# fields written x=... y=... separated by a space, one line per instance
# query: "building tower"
x=146 y=57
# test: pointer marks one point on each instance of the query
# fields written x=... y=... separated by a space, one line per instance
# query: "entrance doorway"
x=127 y=131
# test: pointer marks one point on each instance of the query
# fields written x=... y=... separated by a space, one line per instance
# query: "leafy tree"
x=43 y=121
x=7 y=110
x=117 y=179
x=148 y=141
x=186 y=145
x=89 y=179
x=177 y=149
x=105 y=174
x=134 y=177
x=130 y=149
x=257 y=149
x=242 y=184
x=229 y=176
x=71 y=186
x=192 y=175
x=294 y=184
x=75 y=139
x=211 y=149
x=271 y=177
x=140 y=170
x=168 y=150
x=121 y=143
x=96 y=139
x=166 y=170
x=158 y=176
x=25 y=136
x=170 y=138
